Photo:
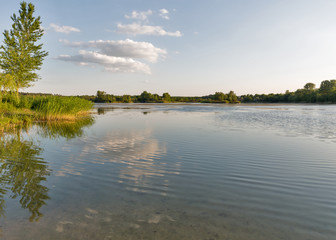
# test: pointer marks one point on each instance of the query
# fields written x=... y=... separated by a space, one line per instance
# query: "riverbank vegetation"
x=26 y=109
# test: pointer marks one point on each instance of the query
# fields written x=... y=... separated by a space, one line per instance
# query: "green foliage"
x=103 y=97
x=219 y=96
x=327 y=86
x=20 y=56
x=145 y=97
x=166 y=97
x=126 y=99
x=7 y=82
x=309 y=87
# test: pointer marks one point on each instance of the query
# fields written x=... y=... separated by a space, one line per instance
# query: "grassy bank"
x=27 y=109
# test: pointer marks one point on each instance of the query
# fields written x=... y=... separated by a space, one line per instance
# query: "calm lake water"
x=141 y=171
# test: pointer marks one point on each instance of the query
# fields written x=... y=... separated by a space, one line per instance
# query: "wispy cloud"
x=110 y=63
x=164 y=13
x=139 y=15
x=123 y=48
x=63 y=29
x=138 y=29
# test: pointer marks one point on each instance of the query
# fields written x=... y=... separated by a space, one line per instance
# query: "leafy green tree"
x=309 y=86
x=166 y=97
x=327 y=91
x=219 y=96
x=156 y=98
x=145 y=96
x=103 y=97
x=232 y=97
x=327 y=86
x=126 y=99
x=20 y=55
x=100 y=97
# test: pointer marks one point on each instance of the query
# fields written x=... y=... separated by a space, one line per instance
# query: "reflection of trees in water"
x=70 y=129
x=22 y=174
x=23 y=171
x=101 y=111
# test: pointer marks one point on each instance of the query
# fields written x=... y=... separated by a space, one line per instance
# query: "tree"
x=309 y=86
x=103 y=97
x=219 y=96
x=166 y=97
x=126 y=99
x=145 y=96
x=327 y=86
x=20 y=55
x=232 y=97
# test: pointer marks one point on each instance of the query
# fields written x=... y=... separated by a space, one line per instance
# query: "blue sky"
x=183 y=47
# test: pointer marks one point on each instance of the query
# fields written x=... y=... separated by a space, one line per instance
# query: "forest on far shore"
x=326 y=93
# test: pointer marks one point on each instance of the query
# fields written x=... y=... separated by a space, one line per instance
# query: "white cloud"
x=63 y=29
x=123 y=48
x=110 y=63
x=139 y=15
x=138 y=29
x=164 y=13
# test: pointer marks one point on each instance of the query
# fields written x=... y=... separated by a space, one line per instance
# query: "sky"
x=184 y=47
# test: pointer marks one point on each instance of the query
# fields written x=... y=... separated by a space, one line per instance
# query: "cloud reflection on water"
x=136 y=154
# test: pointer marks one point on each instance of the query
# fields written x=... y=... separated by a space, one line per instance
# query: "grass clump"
x=31 y=108
x=57 y=107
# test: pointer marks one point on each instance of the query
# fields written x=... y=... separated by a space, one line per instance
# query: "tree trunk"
x=17 y=93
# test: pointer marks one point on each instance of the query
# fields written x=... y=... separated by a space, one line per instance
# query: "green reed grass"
x=14 y=111
x=57 y=107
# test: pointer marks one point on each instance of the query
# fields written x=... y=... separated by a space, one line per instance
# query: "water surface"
x=154 y=171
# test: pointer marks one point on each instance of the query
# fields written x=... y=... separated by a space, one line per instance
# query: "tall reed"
x=58 y=107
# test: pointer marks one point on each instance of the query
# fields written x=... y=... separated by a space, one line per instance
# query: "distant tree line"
x=308 y=94
x=146 y=97
x=326 y=93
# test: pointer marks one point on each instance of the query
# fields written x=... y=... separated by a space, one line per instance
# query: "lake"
x=173 y=171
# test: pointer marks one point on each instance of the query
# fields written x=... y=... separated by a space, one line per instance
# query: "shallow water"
x=146 y=171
